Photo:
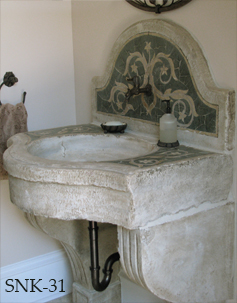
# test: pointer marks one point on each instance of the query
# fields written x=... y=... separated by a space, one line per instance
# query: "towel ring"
x=9 y=80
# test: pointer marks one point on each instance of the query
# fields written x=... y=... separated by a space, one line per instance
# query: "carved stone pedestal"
x=111 y=294
x=183 y=260
x=74 y=237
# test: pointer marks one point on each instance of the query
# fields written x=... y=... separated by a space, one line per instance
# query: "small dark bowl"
x=114 y=128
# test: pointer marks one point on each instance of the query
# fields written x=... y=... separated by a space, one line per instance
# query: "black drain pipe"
x=95 y=268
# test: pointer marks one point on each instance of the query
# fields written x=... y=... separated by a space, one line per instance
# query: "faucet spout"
x=136 y=90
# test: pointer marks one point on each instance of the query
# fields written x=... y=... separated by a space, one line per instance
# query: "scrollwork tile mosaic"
x=165 y=156
x=162 y=64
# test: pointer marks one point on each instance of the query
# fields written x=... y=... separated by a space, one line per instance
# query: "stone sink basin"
x=78 y=172
x=90 y=148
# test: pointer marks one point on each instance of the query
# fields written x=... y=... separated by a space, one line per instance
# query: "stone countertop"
x=157 y=157
x=130 y=192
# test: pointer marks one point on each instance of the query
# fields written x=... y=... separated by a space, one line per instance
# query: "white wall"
x=36 y=44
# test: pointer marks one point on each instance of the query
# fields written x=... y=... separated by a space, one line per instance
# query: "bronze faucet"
x=136 y=90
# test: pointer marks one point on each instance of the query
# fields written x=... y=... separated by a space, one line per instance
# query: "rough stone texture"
x=111 y=294
x=74 y=236
x=184 y=261
x=110 y=192
x=90 y=147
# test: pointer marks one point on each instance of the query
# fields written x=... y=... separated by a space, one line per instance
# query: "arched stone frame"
x=201 y=75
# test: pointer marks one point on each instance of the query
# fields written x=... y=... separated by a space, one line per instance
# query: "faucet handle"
x=135 y=80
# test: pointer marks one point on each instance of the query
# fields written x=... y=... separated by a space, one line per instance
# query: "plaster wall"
x=36 y=44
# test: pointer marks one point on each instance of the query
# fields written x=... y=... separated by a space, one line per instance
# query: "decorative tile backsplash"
x=159 y=62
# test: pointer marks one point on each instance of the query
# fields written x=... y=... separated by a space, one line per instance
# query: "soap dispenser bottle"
x=168 y=129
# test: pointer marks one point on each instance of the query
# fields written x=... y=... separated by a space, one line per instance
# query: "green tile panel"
x=161 y=63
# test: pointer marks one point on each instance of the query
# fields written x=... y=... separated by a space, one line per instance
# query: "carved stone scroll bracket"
x=185 y=260
x=74 y=237
x=130 y=255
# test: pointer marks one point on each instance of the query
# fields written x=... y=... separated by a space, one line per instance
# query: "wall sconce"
x=158 y=6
